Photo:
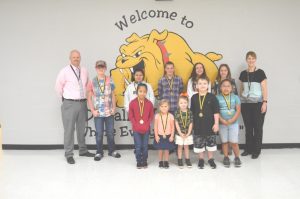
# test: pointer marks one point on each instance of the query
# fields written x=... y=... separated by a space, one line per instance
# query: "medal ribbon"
x=162 y=121
x=201 y=102
x=141 y=107
x=228 y=102
x=184 y=122
x=170 y=82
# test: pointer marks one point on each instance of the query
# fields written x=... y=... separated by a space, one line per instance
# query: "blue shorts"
x=229 y=133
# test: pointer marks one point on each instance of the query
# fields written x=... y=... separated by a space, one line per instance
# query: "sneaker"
x=188 y=163
x=166 y=164
x=201 y=164
x=115 y=154
x=237 y=162
x=161 y=164
x=180 y=163
x=70 y=160
x=254 y=156
x=139 y=165
x=87 y=154
x=145 y=165
x=226 y=162
x=98 y=157
x=245 y=153
x=212 y=163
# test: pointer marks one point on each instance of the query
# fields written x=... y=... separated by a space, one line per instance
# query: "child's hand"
x=225 y=122
x=95 y=113
x=171 y=138
x=157 y=139
x=215 y=128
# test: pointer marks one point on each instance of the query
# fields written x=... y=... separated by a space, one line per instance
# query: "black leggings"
x=253 y=121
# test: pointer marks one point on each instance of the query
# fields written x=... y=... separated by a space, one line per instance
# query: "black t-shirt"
x=256 y=76
x=203 y=125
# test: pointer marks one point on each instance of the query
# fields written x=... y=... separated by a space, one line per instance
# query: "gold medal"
x=102 y=87
x=201 y=102
x=170 y=82
x=184 y=121
x=228 y=103
x=164 y=124
x=141 y=108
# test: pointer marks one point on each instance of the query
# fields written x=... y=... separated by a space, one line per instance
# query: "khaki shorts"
x=186 y=141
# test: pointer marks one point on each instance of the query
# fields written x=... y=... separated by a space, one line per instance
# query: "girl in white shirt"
x=131 y=93
x=198 y=71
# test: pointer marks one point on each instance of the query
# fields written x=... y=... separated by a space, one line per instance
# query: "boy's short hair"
x=164 y=101
x=142 y=85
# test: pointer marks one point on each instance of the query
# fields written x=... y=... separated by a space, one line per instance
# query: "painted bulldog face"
x=143 y=53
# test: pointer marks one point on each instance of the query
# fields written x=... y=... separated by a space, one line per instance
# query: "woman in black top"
x=254 y=97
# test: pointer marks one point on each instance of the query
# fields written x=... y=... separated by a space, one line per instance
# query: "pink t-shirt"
x=170 y=124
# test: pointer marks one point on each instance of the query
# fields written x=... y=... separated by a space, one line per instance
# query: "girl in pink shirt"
x=164 y=133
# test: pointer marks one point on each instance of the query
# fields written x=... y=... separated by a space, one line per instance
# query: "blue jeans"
x=141 y=146
x=109 y=129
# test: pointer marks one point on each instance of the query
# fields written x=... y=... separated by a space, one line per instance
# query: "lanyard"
x=141 y=106
x=102 y=88
x=248 y=76
x=170 y=83
x=162 y=121
x=77 y=77
x=228 y=102
x=201 y=102
x=184 y=122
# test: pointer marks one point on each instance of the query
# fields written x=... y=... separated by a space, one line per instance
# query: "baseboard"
x=130 y=146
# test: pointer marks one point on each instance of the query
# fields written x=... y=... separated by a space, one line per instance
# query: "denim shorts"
x=229 y=133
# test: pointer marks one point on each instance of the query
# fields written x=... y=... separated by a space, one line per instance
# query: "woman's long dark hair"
x=195 y=76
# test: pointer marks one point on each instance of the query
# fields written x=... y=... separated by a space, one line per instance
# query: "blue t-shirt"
x=224 y=111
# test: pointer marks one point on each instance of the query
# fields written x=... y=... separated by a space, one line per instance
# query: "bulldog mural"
x=150 y=52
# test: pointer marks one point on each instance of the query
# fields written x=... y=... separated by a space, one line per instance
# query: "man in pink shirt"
x=71 y=84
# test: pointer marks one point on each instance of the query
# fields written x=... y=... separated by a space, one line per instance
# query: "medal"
x=170 y=82
x=102 y=87
x=141 y=108
x=184 y=122
x=228 y=103
x=164 y=125
x=201 y=102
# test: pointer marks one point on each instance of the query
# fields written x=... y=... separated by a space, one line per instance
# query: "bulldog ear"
x=132 y=38
x=156 y=36
x=214 y=56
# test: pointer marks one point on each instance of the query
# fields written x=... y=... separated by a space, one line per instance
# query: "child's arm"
x=131 y=114
x=113 y=109
x=223 y=121
x=215 y=127
x=156 y=130
x=172 y=130
x=190 y=130
x=236 y=115
x=178 y=129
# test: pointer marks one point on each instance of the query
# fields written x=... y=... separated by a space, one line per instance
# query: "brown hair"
x=168 y=63
x=225 y=80
x=228 y=75
x=251 y=53
x=194 y=75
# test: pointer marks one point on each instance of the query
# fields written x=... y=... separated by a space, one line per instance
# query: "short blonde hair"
x=164 y=101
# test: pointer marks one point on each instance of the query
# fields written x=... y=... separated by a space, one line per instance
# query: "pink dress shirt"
x=67 y=84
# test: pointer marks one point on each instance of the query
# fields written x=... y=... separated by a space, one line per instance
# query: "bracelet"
x=266 y=101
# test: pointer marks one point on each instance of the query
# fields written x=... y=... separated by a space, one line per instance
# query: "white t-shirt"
x=130 y=94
